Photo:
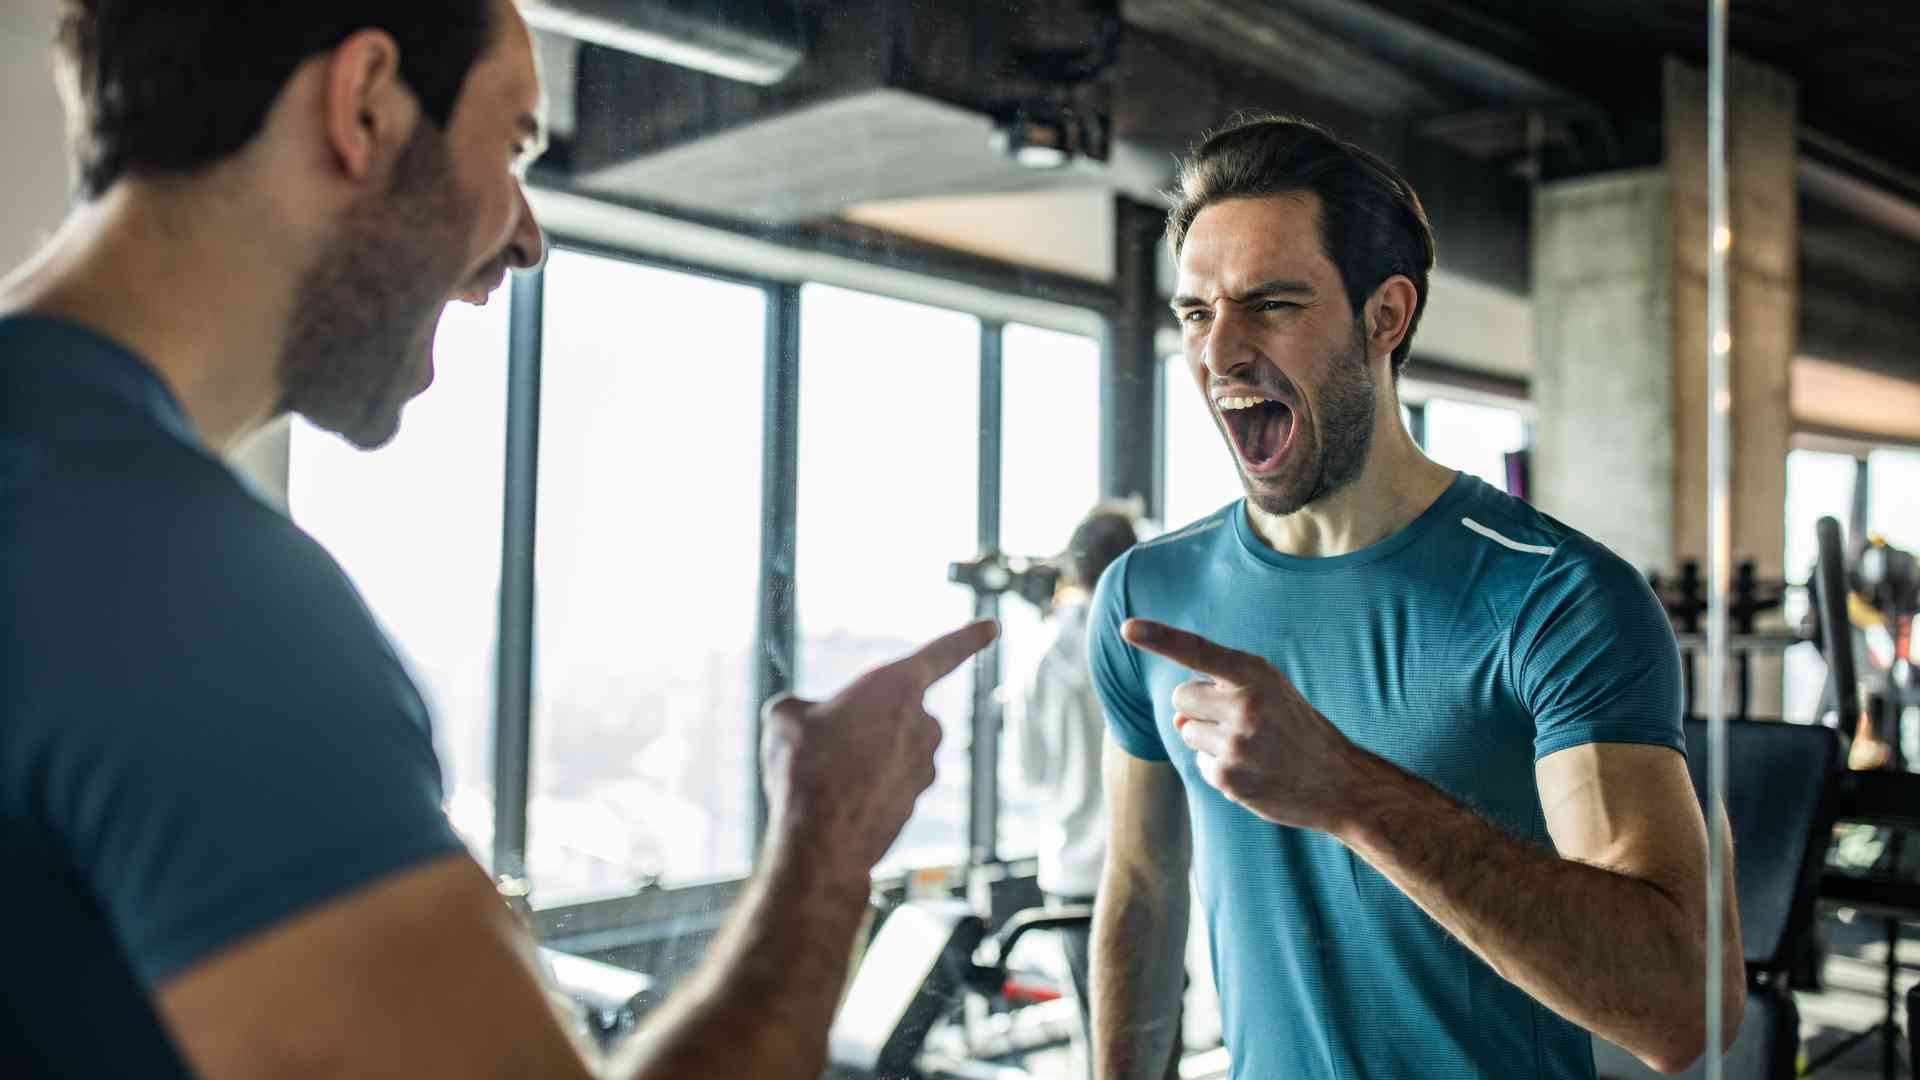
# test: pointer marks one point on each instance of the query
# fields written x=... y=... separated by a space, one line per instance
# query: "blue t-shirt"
x=202 y=733
x=1482 y=637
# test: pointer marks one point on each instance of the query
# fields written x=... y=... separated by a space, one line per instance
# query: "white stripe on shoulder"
x=1531 y=549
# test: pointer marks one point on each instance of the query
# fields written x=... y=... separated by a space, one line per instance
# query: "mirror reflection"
x=1069 y=538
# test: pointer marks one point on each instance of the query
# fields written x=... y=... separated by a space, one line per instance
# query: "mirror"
x=864 y=319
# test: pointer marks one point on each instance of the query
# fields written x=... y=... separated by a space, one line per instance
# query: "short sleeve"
x=1118 y=680
x=1594 y=655
x=247 y=745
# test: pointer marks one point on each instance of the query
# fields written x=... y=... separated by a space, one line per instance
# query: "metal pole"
x=1719 y=516
x=513 y=696
x=779 y=497
x=983 y=820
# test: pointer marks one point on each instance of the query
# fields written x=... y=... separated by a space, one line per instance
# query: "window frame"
x=615 y=922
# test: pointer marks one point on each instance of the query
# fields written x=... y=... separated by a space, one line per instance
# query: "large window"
x=1893 y=478
x=1201 y=473
x=416 y=525
x=646 y=564
x=888 y=496
x=1819 y=485
x=1050 y=478
x=1473 y=438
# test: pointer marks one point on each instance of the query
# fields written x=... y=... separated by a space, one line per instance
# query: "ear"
x=370 y=111
x=1389 y=315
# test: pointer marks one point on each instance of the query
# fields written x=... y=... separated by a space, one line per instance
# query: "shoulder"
x=1169 y=560
x=155 y=554
x=1521 y=556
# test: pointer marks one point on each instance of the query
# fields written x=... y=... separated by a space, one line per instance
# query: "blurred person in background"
x=1056 y=731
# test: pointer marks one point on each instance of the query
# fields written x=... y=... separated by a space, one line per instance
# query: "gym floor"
x=1854 y=981
x=1851 y=1000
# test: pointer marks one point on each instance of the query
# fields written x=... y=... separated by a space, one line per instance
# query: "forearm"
x=1619 y=955
x=763 y=1000
x=1138 y=954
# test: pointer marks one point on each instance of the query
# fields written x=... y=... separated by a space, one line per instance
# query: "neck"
x=1397 y=485
x=192 y=283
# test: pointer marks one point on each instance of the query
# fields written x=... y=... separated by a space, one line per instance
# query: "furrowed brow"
x=1268 y=290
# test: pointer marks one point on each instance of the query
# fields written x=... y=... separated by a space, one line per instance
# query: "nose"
x=527 y=248
x=1229 y=348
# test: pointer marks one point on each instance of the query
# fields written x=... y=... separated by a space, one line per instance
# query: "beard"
x=1342 y=436
x=365 y=312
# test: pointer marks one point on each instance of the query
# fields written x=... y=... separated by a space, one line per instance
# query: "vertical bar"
x=1417 y=424
x=779 y=502
x=1862 y=500
x=513 y=694
x=1719 y=514
x=983 y=820
x=1129 y=369
x=1156 y=509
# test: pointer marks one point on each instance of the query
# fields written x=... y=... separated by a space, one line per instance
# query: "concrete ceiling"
x=887 y=120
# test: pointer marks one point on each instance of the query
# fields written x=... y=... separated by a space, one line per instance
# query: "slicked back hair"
x=160 y=87
x=1372 y=225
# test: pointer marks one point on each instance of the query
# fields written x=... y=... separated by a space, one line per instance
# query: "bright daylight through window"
x=1049 y=479
x=1819 y=485
x=416 y=525
x=1474 y=438
x=646 y=562
x=889 y=485
x=1202 y=475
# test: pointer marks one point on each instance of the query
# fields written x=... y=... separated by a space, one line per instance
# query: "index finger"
x=1193 y=652
x=937 y=658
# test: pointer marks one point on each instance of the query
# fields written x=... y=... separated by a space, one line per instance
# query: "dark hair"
x=172 y=86
x=1101 y=537
x=1372 y=225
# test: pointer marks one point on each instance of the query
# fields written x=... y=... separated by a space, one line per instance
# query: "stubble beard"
x=364 y=313
x=1343 y=436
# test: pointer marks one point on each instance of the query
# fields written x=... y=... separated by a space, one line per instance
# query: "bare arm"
x=427 y=974
x=1140 y=920
x=1611 y=932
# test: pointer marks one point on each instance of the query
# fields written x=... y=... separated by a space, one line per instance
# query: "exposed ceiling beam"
x=1287 y=45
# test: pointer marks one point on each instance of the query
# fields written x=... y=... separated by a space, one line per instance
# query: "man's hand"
x=1258 y=741
x=842 y=775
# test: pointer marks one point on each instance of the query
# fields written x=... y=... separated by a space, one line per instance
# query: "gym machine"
x=927 y=957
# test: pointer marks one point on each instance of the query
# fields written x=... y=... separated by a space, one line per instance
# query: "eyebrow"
x=1266 y=290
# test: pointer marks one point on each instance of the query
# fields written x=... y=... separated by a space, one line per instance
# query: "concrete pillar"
x=1602 y=382
x=1619 y=292
x=1766 y=239
x=1129 y=364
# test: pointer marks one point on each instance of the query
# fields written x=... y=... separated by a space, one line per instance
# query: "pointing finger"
x=1194 y=652
x=937 y=659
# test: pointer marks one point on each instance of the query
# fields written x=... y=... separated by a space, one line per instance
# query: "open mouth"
x=1261 y=429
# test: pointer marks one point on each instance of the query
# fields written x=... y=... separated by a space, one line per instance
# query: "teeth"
x=1228 y=404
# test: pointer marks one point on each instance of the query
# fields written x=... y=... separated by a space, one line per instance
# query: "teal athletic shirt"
x=1479 y=639
x=202 y=732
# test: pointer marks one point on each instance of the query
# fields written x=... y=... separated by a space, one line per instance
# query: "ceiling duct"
x=751 y=42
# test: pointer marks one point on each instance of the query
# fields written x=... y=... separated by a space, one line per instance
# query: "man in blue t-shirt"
x=1418 y=743
x=219 y=805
